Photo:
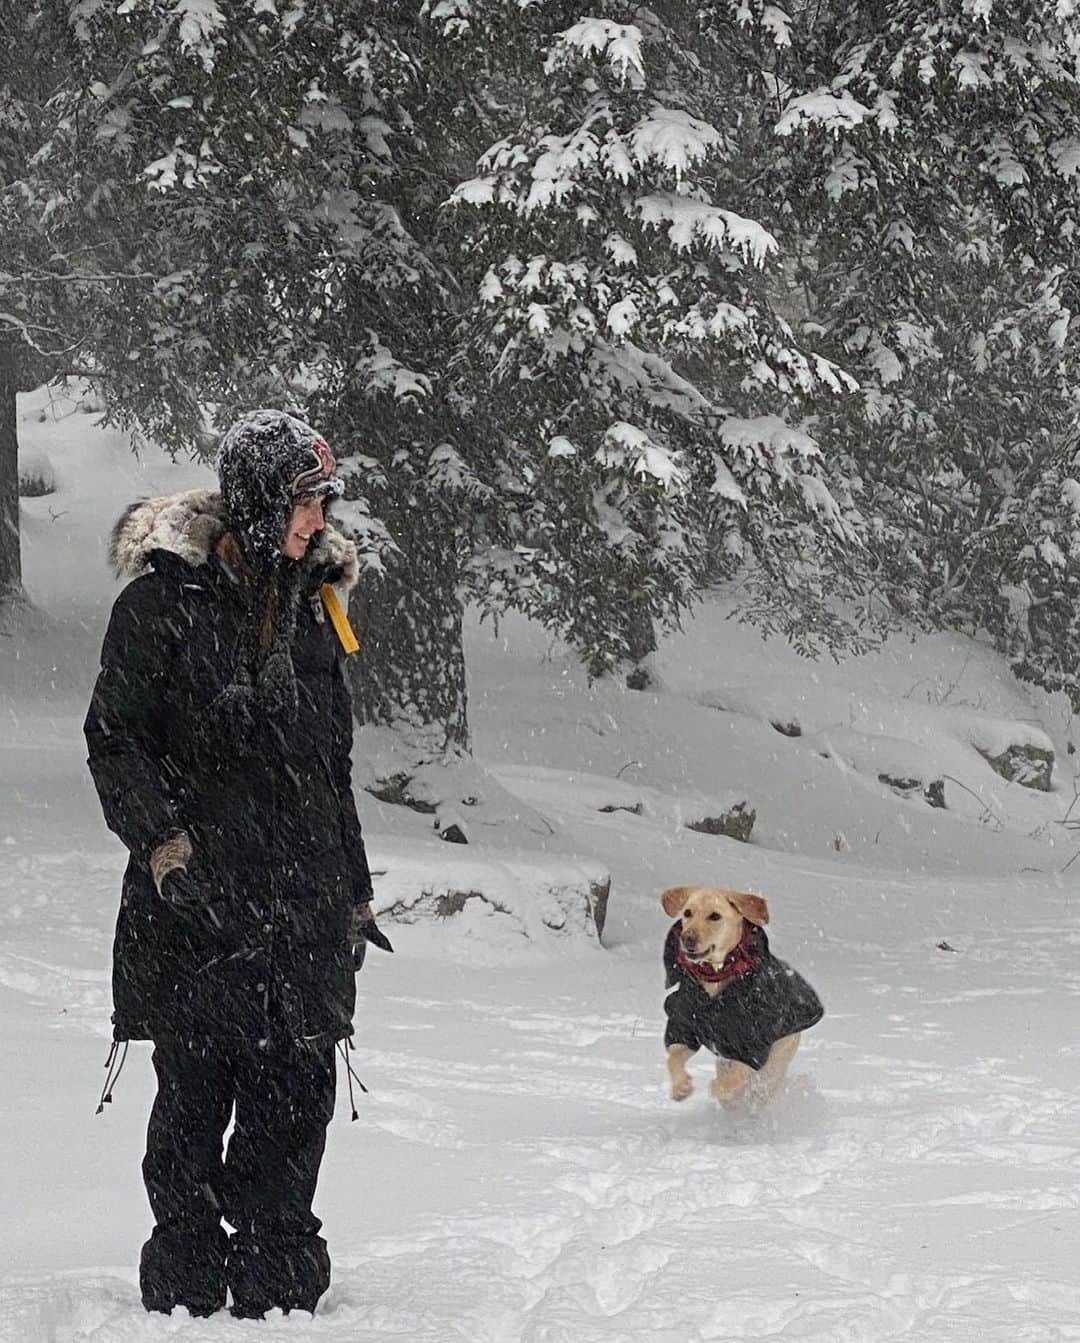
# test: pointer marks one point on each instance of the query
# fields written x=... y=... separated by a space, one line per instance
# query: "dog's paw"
x=728 y=1088
x=682 y=1087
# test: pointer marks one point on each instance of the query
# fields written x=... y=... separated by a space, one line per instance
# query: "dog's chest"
x=725 y=1016
x=708 y=1005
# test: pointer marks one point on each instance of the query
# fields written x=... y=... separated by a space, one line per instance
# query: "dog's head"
x=712 y=919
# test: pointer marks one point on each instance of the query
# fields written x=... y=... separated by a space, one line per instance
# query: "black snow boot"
x=290 y=1272
x=184 y=1266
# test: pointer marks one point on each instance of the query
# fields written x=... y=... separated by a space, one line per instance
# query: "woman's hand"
x=362 y=930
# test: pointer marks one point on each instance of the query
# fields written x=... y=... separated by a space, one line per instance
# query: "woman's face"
x=304 y=521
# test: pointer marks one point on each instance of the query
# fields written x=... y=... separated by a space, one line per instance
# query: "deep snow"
x=517 y=1172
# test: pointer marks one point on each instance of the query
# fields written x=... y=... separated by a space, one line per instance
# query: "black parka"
x=273 y=825
x=746 y=1018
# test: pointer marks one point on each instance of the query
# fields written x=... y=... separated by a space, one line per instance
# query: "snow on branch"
x=689 y=221
x=199 y=20
x=672 y=138
x=724 y=485
x=453 y=17
x=1065 y=156
x=777 y=24
x=534 y=176
x=374 y=543
x=971 y=69
x=635 y=371
x=360 y=469
x=179 y=167
x=556 y=170
x=832 y=111
x=620 y=250
x=619 y=43
x=819 y=500
x=767 y=435
x=448 y=470
x=1070 y=495
x=613 y=522
x=766 y=442
x=627 y=447
x=476 y=191
x=382 y=372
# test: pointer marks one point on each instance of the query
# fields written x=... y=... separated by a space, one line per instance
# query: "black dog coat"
x=749 y=1014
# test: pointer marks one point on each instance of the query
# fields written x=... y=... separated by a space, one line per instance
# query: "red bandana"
x=740 y=961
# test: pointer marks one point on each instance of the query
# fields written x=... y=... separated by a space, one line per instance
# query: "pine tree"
x=625 y=367
x=550 y=394
x=510 y=258
x=930 y=171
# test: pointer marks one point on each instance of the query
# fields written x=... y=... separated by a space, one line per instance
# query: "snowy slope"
x=518 y=1172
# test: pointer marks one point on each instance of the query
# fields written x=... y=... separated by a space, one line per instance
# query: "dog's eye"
x=686 y=914
x=714 y=918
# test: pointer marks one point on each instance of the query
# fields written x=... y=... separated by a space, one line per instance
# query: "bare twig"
x=988 y=811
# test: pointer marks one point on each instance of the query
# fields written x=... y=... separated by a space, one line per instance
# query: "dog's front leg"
x=681 y=1082
x=730 y=1079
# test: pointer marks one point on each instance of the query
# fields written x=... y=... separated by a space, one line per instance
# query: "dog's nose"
x=689 y=941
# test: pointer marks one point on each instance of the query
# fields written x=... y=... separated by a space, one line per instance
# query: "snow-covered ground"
x=518 y=1172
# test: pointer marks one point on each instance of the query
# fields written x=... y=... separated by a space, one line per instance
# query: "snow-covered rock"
x=492 y=900
x=906 y=767
x=734 y=822
x=1019 y=752
x=1029 y=766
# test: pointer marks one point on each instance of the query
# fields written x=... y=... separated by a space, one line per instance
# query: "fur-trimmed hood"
x=190 y=525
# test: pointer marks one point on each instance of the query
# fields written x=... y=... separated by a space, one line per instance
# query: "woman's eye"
x=714 y=918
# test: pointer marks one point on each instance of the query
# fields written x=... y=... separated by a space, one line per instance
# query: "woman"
x=219 y=740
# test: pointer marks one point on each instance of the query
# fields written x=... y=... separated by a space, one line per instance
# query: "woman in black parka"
x=219 y=740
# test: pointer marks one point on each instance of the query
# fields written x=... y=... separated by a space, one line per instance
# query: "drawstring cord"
x=112 y=1078
x=343 y=1050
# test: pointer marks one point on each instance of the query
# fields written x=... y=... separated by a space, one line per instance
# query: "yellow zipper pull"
x=339 y=619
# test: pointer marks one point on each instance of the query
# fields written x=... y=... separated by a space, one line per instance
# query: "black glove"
x=175 y=870
x=362 y=930
x=187 y=895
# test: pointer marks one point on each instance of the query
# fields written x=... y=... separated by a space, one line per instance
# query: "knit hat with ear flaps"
x=267 y=461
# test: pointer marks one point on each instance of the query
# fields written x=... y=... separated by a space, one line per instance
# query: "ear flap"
x=674 y=898
x=751 y=907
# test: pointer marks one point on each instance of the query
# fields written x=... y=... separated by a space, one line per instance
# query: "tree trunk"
x=641 y=643
x=638 y=642
x=410 y=670
x=10 y=547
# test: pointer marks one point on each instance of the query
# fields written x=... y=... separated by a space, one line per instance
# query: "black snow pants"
x=263 y=1185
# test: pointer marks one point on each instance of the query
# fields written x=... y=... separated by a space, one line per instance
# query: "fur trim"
x=191 y=524
x=339 y=552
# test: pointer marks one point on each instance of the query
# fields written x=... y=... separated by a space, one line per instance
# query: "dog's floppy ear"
x=751 y=907
x=674 y=898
